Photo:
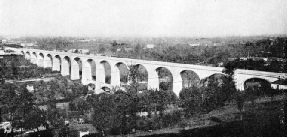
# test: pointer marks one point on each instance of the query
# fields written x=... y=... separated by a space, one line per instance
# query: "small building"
x=150 y=46
x=217 y=44
x=27 y=45
x=30 y=88
x=194 y=44
x=2 y=52
x=4 y=41
x=84 y=40
x=84 y=51
x=279 y=84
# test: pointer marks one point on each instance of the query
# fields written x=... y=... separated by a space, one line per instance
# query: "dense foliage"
x=17 y=67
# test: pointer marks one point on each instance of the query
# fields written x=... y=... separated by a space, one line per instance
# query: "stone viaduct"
x=71 y=63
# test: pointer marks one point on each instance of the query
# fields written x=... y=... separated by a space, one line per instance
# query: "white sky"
x=142 y=17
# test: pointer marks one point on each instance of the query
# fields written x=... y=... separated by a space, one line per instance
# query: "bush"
x=144 y=123
x=251 y=94
x=171 y=118
x=191 y=100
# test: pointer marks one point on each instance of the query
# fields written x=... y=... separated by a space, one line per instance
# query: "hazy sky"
x=142 y=17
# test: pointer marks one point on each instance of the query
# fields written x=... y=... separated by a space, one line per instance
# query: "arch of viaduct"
x=72 y=63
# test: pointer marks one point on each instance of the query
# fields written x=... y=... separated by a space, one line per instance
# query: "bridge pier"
x=75 y=70
x=177 y=80
x=27 y=55
x=48 y=61
x=153 y=81
x=101 y=76
x=86 y=72
x=65 y=70
x=33 y=58
x=40 y=59
x=56 y=64
x=115 y=75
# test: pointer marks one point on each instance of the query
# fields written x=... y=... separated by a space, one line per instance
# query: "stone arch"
x=121 y=73
x=34 y=58
x=105 y=72
x=89 y=72
x=40 y=60
x=48 y=61
x=76 y=68
x=66 y=66
x=106 y=88
x=256 y=83
x=165 y=78
x=189 y=78
x=91 y=88
x=141 y=77
x=57 y=63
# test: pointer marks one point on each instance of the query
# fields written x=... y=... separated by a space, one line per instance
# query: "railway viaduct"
x=70 y=64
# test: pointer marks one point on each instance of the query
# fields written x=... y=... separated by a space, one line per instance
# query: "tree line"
x=181 y=52
x=17 y=67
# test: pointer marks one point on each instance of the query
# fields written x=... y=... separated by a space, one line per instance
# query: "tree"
x=8 y=102
x=104 y=116
x=76 y=51
x=81 y=104
x=48 y=94
x=35 y=118
x=102 y=49
x=191 y=100
x=230 y=67
x=16 y=102
x=239 y=98
x=133 y=93
x=123 y=103
x=229 y=85
x=78 y=90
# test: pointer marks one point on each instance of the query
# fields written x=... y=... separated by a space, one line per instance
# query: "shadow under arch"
x=140 y=74
x=123 y=71
x=76 y=69
x=189 y=78
x=105 y=72
x=257 y=84
x=90 y=70
x=165 y=78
